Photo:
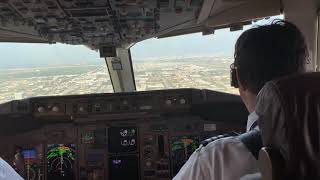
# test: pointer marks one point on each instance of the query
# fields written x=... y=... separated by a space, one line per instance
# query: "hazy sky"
x=187 y=45
x=14 y=55
x=20 y=55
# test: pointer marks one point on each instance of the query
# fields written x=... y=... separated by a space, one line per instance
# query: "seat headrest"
x=288 y=108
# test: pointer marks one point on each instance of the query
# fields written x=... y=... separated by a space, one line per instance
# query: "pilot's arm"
x=223 y=159
x=7 y=172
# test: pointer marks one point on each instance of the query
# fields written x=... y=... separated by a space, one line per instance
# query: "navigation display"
x=182 y=147
x=61 y=158
x=122 y=139
x=124 y=167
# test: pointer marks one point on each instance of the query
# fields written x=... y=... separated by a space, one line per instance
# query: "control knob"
x=55 y=109
x=182 y=101
x=168 y=102
x=41 y=109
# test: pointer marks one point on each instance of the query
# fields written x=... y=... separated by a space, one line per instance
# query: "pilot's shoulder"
x=221 y=142
x=7 y=172
x=215 y=138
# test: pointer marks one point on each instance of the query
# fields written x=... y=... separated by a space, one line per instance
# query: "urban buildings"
x=150 y=74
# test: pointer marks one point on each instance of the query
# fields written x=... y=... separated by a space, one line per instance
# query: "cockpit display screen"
x=28 y=162
x=61 y=158
x=122 y=139
x=96 y=138
x=29 y=154
x=182 y=147
x=124 y=167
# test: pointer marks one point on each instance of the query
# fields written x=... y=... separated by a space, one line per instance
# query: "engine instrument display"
x=122 y=139
x=96 y=138
x=182 y=147
x=88 y=138
x=61 y=158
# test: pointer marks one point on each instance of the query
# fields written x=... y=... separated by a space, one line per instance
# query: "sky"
x=222 y=42
x=15 y=55
x=19 y=55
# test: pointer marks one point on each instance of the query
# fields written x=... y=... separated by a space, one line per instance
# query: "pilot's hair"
x=270 y=51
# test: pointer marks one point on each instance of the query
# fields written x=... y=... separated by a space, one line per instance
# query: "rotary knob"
x=41 y=109
x=182 y=101
x=55 y=109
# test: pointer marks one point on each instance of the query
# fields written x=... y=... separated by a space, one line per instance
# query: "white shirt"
x=223 y=159
x=252 y=121
x=7 y=172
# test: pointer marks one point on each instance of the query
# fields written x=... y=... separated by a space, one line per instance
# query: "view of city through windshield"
x=194 y=72
x=210 y=72
x=60 y=80
x=189 y=61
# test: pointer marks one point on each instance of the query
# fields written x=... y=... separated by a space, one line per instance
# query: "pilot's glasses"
x=233 y=76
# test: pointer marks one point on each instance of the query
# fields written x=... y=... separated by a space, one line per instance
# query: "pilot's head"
x=264 y=53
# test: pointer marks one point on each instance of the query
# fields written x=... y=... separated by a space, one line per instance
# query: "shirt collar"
x=252 y=119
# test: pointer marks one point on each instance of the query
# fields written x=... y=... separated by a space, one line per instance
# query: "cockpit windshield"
x=29 y=70
x=188 y=61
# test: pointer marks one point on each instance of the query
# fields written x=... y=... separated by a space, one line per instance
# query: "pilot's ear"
x=241 y=83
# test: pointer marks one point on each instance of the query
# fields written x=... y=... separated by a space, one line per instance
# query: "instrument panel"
x=141 y=135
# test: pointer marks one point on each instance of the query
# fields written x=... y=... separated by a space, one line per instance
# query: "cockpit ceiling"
x=119 y=22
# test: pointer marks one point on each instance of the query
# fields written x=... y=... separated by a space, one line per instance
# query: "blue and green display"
x=61 y=159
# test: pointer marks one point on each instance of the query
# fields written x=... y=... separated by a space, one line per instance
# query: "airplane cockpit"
x=126 y=133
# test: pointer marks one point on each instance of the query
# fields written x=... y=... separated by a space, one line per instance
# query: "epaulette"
x=252 y=140
x=214 y=138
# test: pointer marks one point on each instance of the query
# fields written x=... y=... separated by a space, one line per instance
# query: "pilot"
x=261 y=54
x=7 y=172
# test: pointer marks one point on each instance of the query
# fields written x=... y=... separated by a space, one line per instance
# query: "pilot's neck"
x=251 y=104
x=250 y=101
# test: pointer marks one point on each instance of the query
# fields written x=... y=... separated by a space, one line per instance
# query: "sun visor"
x=227 y=12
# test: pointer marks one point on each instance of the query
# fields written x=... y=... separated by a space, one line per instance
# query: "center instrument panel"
x=140 y=135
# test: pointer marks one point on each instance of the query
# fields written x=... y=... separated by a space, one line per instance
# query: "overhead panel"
x=205 y=10
x=217 y=14
x=13 y=28
x=94 y=22
x=120 y=23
